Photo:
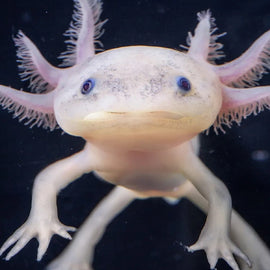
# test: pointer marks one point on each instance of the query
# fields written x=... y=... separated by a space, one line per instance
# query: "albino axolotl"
x=140 y=110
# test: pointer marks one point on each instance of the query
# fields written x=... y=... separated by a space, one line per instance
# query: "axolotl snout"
x=140 y=110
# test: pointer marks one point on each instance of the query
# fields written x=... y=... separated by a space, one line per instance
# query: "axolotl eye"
x=88 y=86
x=183 y=84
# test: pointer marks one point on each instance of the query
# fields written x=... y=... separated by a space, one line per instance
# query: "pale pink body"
x=140 y=110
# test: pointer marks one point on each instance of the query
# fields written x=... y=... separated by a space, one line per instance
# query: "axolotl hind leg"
x=81 y=250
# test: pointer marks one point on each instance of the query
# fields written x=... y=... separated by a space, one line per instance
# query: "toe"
x=228 y=257
x=212 y=257
x=241 y=255
x=19 y=245
x=62 y=232
x=70 y=228
x=43 y=246
x=196 y=246
x=11 y=240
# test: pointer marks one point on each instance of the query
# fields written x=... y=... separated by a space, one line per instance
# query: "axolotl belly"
x=154 y=174
x=140 y=110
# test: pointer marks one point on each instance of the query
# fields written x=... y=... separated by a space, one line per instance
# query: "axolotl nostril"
x=140 y=110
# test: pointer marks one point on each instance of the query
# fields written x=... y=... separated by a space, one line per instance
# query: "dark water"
x=148 y=234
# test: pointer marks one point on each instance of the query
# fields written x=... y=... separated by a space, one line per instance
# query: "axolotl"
x=140 y=110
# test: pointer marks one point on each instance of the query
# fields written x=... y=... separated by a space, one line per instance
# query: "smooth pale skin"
x=141 y=131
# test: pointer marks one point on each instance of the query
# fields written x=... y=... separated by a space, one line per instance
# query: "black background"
x=148 y=235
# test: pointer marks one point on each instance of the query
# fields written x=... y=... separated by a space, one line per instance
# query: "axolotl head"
x=139 y=98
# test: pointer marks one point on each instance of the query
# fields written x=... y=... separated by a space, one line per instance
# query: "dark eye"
x=87 y=86
x=184 y=84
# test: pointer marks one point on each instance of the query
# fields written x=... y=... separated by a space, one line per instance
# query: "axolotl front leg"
x=241 y=232
x=43 y=221
x=214 y=238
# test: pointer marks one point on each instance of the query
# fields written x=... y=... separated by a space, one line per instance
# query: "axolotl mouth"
x=151 y=130
x=101 y=116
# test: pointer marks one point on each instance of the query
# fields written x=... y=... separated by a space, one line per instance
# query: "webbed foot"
x=219 y=246
x=43 y=230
